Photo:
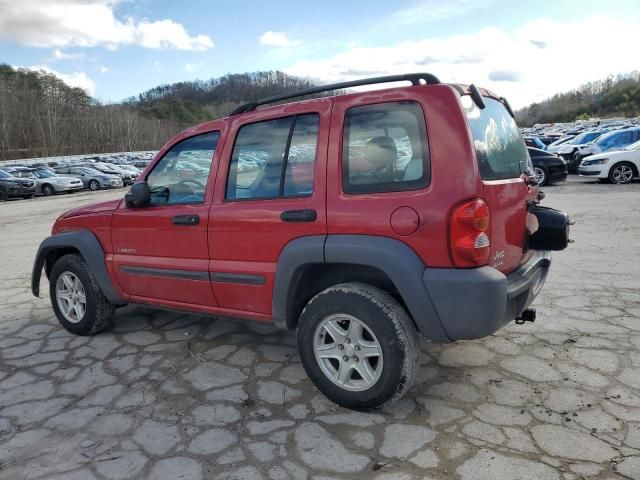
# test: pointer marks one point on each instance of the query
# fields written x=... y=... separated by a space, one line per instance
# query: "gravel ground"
x=166 y=395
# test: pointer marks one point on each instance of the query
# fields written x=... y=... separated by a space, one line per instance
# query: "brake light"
x=469 y=242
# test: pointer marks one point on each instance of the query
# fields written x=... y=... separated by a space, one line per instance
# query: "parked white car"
x=609 y=142
x=620 y=166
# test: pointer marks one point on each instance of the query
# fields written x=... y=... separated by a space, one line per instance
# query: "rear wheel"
x=3 y=194
x=94 y=185
x=77 y=300
x=358 y=345
x=47 y=190
x=622 y=173
x=541 y=175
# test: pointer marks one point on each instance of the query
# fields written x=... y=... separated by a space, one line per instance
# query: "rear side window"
x=384 y=148
x=500 y=150
x=274 y=159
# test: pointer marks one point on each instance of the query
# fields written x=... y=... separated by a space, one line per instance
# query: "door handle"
x=299 y=216
x=186 y=220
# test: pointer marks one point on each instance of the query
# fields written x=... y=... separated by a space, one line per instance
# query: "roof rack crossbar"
x=414 y=78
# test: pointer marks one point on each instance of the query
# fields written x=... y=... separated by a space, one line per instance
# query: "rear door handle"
x=186 y=220
x=299 y=216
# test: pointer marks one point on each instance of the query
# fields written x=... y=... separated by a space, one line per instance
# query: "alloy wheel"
x=622 y=174
x=539 y=175
x=71 y=297
x=348 y=352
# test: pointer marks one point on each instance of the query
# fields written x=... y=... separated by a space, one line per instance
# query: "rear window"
x=500 y=150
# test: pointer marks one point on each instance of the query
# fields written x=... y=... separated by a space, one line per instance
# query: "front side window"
x=500 y=150
x=384 y=148
x=181 y=174
x=274 y=159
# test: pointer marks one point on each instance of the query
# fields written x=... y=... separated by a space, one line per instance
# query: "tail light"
x=469 y=242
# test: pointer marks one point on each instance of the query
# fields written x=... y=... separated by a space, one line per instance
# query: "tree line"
x=42 y=116
x=611 y=97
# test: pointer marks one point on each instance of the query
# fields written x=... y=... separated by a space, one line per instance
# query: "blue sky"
x=524 y=50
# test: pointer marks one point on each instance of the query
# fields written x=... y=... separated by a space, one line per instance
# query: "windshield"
x=89 y=171
x=633 y=146
x=43 y=174
x=585 y=137
x=4 y=174
x=500 y=150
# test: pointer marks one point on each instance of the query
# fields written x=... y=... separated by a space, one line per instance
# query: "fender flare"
x=89 y=247
x=393 y=257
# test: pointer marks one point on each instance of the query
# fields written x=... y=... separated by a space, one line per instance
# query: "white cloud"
x=58 y=54
x=104 y=69
x=193 y=67
x=75 y=79
x=88 y=23
x=530 y=63
x=431 y=10
x=277 y=39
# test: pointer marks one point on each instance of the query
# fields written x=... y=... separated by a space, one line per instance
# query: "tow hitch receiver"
x=529 y=315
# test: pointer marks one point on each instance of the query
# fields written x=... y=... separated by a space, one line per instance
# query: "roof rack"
x=414 y=78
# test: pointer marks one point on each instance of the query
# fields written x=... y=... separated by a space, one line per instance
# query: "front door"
x=160 y=250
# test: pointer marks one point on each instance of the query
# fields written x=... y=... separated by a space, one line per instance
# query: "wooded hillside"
x=42 y=116
x=611 y=97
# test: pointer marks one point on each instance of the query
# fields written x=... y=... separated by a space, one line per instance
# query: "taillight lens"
x=469 y=242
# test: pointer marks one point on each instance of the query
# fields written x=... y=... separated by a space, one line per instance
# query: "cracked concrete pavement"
x=165 y=395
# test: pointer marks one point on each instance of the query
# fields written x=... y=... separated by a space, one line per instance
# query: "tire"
x=3 y=195
x=385 y=328
x=542 y=176
x=622 y=173
x=94 y=185
x=48 y=190
x=98 y=311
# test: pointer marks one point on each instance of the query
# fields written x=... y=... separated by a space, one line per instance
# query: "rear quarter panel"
x=454 y=174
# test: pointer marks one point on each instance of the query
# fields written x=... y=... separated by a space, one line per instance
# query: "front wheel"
x=77 y=300
x=358 y=345
x=48 y=190
x=621 y=173
x=3 y=195
x=541 y=175
x=94 y=185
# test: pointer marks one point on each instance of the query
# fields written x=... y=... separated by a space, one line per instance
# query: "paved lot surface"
x=167 y=396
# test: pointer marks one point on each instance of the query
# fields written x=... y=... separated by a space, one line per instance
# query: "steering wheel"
x=190 y=180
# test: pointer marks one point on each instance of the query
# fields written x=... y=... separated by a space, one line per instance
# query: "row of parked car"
x=29 y=179
x=609 y=152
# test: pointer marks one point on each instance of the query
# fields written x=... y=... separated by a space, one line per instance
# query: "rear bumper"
x=474 y=303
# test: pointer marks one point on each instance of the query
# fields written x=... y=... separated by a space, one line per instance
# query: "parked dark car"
x=11 y=187
x=548 y=167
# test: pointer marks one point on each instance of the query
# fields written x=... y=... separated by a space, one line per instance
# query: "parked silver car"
x=91 y=178
x=49 y=183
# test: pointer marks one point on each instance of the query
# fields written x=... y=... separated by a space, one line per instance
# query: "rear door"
x=269 y=191
x=504 y=164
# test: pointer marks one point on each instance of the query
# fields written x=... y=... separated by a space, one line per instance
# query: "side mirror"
x=138 y=196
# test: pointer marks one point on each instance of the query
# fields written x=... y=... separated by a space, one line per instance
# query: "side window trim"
x=285 y=160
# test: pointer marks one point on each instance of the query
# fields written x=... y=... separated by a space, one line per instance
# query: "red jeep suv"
x=362 y=220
